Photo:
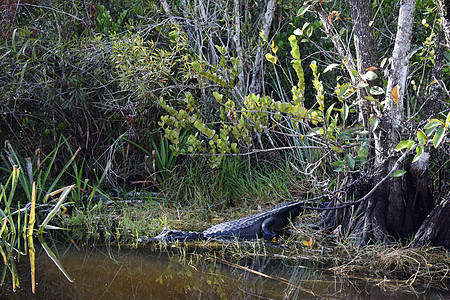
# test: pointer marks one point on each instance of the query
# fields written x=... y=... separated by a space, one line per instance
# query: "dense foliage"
x=121 y=78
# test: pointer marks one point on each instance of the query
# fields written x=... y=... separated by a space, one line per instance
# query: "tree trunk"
x=256 y=86
x=435 y=93
x=239 y=88
x=435 y=229
x=394 y=207
x=366 y=53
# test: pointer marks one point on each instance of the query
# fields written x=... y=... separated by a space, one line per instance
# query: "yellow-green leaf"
x=196 y=66
x=398 y=173
x=419 y=149
x=410 y=144
x=221 y=49
x=422 y=137
x=433 y=123
x=447 y=120
x=342 y=90
x=271 y=58
x=438 y=137
x=402 y=145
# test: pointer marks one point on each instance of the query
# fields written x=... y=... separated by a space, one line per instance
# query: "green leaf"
x=328 y=113
x=447 y=120
x=56 y=208
x=342 y=90
x=196 y=66
x=374 y=123
x=271 y=58
x=13 y=39
x=218 y=97
x=422 y=137
x=433 y=123
x=350 y=161
x=370 y=75
x=303 y=10
x=345 y=111
x=398 y=173
x=376 y=91
x=410 y=144
x=438 y=137
x=419 y=149
x=221 y=49
x=402 y=145
x=338 y=163
x=54 y=259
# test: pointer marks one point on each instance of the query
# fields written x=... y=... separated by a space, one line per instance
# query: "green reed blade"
x=55 y=209
x=54 y=259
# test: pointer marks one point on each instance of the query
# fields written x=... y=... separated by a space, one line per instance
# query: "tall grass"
x=237 y=182
x=23 y=221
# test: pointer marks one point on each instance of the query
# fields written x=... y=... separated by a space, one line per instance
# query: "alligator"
x=267 y=225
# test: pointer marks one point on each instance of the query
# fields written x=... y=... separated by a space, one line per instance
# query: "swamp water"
x=144 y=274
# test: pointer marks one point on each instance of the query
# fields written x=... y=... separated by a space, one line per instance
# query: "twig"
x=394 y=168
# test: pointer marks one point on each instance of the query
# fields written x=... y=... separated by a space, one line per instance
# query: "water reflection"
x=144 y=274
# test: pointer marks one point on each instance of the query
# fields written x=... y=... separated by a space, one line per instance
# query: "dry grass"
x=398 y=267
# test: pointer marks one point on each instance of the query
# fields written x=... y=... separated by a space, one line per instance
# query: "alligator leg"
x=270 y=229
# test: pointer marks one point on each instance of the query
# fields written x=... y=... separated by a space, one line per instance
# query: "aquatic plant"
x=18 y=225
